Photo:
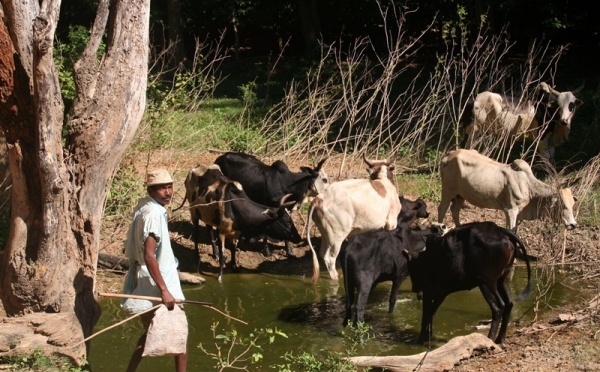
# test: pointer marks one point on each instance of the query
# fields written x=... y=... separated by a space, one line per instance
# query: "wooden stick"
x=150 y=298
x=158 y=299
x=115 y=325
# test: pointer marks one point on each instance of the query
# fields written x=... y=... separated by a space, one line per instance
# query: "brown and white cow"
x=485 y=183
x=547 y=119
x=352 y=207
x=222 y=205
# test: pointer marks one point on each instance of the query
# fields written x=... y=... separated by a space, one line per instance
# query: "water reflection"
x=311 y=317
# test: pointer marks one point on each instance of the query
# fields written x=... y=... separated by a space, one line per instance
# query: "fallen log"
x=441 y=359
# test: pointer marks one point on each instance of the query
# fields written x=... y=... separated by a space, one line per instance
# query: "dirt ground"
x=563 y=339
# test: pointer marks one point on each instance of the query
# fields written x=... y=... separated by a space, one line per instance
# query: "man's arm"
x=152 y=264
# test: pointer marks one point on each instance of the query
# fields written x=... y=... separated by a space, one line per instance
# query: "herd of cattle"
x=368 y=224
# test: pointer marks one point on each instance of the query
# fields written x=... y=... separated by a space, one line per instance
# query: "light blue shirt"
x=149 y=218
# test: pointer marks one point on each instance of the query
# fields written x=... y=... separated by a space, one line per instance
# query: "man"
x=152 y=265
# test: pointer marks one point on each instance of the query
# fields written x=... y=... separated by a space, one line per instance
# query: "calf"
x=374 y=257
x=352 y=207
x=412 y=210
x=478 y=254
x=223 y=205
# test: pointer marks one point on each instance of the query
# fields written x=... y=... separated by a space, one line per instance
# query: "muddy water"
x=311 y=318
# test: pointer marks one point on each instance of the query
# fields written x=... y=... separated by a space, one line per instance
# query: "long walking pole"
x=150 y=298
x=158 y=299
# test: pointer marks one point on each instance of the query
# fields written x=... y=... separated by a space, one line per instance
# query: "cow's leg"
x=327 y=253
x=213 y=242
x=234 y=248
x=266 y=250
x=508 y=305
x=457 y=204
x=196 y=237
x=221 y=258
x=330 y=257
x=430 y=305
x=491 y=295
x=511 y=218
x=443 y=207
x=350 y=285
x=394 y=293
x=288 y=250
x=361 y=299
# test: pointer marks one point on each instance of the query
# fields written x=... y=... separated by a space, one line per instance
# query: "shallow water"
x=311 y=318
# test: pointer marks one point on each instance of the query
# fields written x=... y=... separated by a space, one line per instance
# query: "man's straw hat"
x=158 y=177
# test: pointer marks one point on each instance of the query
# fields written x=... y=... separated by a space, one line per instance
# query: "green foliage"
x=123 y=193
x=66 y=54
x=356 y=335
x=234 y=351
x=589 y=208
x=426 y=186
x=249 y=94
x=39 y=361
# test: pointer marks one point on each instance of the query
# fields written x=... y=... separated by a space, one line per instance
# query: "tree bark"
x=60 y=184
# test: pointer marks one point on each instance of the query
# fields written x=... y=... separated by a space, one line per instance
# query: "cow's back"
x=480 y=180
x=251 y=173
x=356 y=205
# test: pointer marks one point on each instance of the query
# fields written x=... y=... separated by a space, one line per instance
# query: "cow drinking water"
x=485 y=183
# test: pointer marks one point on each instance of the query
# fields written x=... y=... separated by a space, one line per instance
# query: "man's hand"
x=152 y=265
x=167 y=299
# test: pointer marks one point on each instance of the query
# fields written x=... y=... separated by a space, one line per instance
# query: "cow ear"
x=578 y=102
x=280 y=166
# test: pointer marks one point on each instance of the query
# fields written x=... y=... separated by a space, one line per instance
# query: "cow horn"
x=369 y=162
x=320 y=164
x=578 y=89
x=282 y=203
x=548 y=89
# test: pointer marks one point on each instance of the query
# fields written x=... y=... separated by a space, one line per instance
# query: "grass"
x=39 y=361
x=424 y=185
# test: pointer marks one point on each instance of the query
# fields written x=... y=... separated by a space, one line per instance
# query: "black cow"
x=223 y=205
x=268 y=184
x=412 y=210
x=374 y=257
x=478 y=254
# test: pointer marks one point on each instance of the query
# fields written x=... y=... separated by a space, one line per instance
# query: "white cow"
x=352 y=207
x=549 y=121
x=485 y=183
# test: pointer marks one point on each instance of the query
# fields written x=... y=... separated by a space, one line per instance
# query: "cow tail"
x=519 y=243
x=182 y=203
x=316 y=268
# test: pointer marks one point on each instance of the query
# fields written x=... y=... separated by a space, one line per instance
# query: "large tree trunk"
x=59 y=185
